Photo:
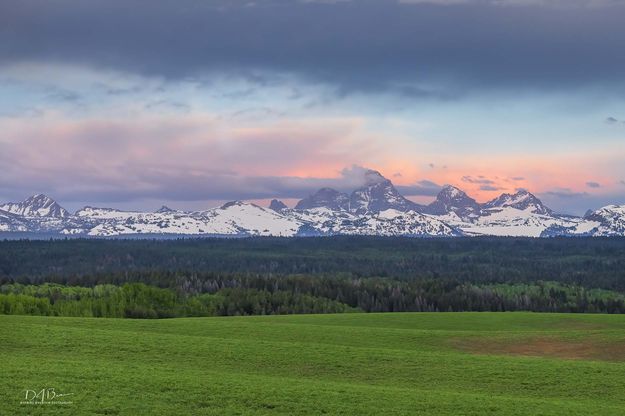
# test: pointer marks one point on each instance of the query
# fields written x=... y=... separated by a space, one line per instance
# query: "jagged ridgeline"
x=376 y=208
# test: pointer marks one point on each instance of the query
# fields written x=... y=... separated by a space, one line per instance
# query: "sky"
x=136 y=103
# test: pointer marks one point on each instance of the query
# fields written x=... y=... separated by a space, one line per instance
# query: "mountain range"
x=375 y=208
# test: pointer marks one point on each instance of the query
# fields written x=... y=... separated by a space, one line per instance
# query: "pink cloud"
x=127 y=156
x=178 y=156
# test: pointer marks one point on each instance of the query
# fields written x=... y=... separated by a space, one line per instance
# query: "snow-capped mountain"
x=12 y=222
x=519 y=214
x=389 y=222
x=453 y=200
x=233 y=218
x=607 y=221
x=392 y=222
x=36 y=206
x=509 y=221
x=244 y=218
x=522 y=200
x=375 y=208
x=378 y=194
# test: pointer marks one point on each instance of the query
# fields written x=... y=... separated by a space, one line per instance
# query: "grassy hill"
x=402 y=363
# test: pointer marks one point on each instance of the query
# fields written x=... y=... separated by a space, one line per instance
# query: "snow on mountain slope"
x=320 y=220
x=451 y=200
x=522 y=200
x=392 y=222
x=378 y=194
x=10 y=222
x=36 y=206
x=107 y=213
x=251 y=219
x=109 y=222
x=234 y=218
x=376 y=208
x=607 y=221
x=513 y=222
x=389 y=222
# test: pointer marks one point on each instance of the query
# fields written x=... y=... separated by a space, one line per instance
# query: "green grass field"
x=352 y=364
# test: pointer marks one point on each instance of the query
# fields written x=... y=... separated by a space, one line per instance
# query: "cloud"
x=436 y=2
x=58 y=94
x=432 y=165
x=180 y=157
x=420 y=188
x=420 y=51
x=622 y=182
x=565 y=193
x=167 y=105
x=612 y=120
x=518 y=178
x=490 y=188
x=324 y=1
x=478 y=180
x=593 y=184
x=560 y=4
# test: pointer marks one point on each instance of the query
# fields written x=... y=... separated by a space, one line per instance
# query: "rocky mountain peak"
x=277 y=205
x=450 y=192
x=38 y=205
x=325 y=198
x=373 y=177
x=379 y=194
x=236 y=203
x=522 y=200
x=164 y=210
x=454 y=200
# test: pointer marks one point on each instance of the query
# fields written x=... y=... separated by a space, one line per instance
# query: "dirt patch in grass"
x=546 y=347
x=574 y=324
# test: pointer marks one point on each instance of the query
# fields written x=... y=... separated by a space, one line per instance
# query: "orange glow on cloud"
x=196 y=146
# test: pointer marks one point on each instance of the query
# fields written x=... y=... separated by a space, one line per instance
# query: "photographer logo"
x=45 y=396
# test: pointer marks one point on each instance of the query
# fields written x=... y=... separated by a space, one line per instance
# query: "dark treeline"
x=588 y=262
x=239 y=295
x=206 y=277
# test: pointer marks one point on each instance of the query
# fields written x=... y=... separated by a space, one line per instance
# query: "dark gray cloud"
x=593 y=184
x=567 y=201
x=559 y=4
x=565 y=193
x=612 y=120
x=138 y=183
x=179 y=187
x=144 y=182
x=372 y=45
x=421 y=188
